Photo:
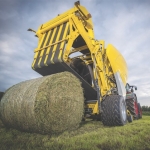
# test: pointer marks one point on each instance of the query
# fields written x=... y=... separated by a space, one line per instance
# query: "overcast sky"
x=123 y=23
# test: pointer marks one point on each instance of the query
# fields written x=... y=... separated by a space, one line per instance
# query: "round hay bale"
x=50 y=104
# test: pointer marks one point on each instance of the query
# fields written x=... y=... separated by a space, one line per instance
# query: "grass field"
x=147 y=113
x=91 y=135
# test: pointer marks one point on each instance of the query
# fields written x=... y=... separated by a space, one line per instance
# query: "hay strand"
x=51 y=104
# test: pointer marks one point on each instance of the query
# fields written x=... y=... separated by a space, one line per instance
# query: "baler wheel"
x=114 y=111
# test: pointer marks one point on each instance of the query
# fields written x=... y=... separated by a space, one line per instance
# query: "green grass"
x=91 y=135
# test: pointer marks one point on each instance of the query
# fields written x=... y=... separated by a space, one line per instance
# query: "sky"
x=123 y=23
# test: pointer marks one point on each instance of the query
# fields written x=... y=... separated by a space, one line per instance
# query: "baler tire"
x=114 y=111
x=139 y=111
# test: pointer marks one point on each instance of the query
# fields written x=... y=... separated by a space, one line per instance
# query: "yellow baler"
x=102 y=71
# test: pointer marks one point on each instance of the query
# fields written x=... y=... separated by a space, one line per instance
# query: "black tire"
x=131 y=106
x=129 y=118
x=114 y=111
x=139 y=111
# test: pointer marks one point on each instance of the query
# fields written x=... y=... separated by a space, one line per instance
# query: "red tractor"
x=133 y=107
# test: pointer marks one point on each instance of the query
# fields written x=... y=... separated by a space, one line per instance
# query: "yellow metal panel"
x=64 y=17
x=58 y=18
x=35 y=57
x=54 y=25
x=57 y=38
x=33 y=63
x=63 y=43
x=41 y=40
x=44 y=46
x=36 y=50
x=48 y=49
x=117 y=62
x=94 y=107
x=36 y=53
x=96 y=110
x=39 y=43
x=41 y=54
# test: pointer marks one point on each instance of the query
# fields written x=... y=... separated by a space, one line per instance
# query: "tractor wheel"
x=132 y=107
x=114 y=111
x=139 y=111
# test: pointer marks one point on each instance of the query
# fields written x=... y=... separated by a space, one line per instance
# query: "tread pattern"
x=131 y=106
x=111 y=111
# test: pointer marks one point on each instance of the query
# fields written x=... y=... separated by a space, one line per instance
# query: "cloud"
x=15 y=62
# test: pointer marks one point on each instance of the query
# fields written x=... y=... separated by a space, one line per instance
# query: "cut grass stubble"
x=91 y=135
